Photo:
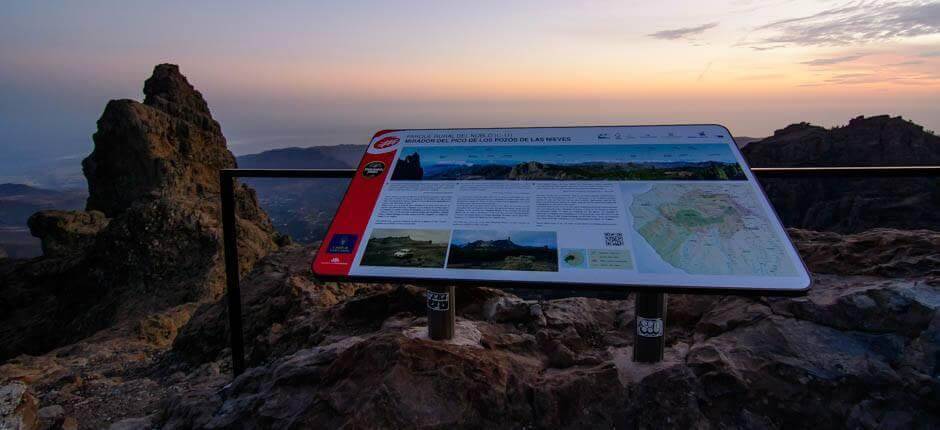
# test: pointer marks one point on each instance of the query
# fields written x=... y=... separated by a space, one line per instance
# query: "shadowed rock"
x=151 y=237
x=167 y=146
x=857 y=351
x=66 y=232
x=852 y=204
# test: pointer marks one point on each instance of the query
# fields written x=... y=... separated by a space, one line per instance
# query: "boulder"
x=19 y=409
x=66 y=233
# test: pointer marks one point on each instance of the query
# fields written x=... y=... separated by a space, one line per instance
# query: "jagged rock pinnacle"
x=167 y=146
x=169 y=91
x=150 y=239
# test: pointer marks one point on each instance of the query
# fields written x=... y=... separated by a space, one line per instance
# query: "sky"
x=303 y=73
x=570 y=154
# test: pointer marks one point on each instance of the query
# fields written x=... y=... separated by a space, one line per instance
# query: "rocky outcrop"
x=66 y=232
x=408 y=167
x=877 y=252
x=150 y=239
x=879 y=140
x=857 y=351
x=167 y=146
x=852 y=204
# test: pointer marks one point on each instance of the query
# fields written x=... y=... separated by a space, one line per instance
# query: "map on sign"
x=660 y=206
x=707 y=230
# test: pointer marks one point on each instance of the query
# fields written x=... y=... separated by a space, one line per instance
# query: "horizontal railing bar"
x=290 y=173
x=881 y=171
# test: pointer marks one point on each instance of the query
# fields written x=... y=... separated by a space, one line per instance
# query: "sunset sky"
x=307 y=73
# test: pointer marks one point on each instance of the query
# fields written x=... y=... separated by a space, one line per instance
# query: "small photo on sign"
x=534 y=251
x=406 y=248
x=573 y=259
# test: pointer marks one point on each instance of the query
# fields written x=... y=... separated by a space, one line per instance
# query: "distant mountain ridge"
x=18 y=202
x=313 y=157
x=302 y=208
x=849 y=205
x=492 y=244
x=410 y=168
x=877 y=140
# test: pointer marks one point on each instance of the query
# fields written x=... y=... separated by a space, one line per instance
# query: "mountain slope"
x=314 y=157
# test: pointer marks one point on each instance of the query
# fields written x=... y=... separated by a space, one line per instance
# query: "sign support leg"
x=650 y=327
x=441 y=313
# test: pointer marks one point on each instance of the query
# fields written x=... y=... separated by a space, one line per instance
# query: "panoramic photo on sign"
x=659 y=206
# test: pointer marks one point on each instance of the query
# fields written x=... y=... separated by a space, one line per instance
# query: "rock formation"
x=858 y=351
x=879 y=140
x=409 y=167
x=167 y=146
x=126 y=328
x=18 y=407
x=150 y=239
x=66 y=232
x=851 y=205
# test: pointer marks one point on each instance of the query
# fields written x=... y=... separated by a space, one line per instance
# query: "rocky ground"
x=861 y=350
x=122 y=324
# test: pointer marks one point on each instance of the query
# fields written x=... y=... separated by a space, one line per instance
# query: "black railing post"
x=233 y=293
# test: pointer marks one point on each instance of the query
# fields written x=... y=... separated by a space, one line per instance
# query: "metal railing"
x=230 y=240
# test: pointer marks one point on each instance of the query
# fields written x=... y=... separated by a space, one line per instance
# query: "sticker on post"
x=438 y=301
x=649 y=327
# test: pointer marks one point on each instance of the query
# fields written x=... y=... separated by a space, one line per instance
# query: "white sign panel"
x=666 y=206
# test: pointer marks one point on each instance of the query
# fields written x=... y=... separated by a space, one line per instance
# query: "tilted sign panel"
x=656 y=206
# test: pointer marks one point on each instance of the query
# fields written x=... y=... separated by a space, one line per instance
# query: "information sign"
x=627 y=206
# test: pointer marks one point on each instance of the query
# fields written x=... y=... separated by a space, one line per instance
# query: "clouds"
x=913 y=79
x=682 y=33
x=855 y=23
x=833 y=60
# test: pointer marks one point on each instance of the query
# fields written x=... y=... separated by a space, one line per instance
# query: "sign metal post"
x=650 y=327
x=441 y=313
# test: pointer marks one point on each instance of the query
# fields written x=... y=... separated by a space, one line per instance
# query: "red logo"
x=386 y=142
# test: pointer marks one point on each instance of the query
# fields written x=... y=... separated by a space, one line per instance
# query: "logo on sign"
x=649 y=327
x=438 y=301
x=387 y=142
x=373 y=169
x=342 y=244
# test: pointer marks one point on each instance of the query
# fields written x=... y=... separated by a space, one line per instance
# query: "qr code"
x=614 y=239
